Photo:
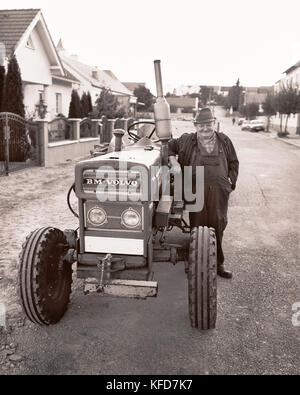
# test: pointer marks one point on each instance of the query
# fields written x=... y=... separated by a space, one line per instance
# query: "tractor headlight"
x=97 y=216
x=131 y=218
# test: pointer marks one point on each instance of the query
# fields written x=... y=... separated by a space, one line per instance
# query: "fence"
x=43 y=143
x=20 y=144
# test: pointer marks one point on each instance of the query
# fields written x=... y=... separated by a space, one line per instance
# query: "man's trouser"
x=214 y=214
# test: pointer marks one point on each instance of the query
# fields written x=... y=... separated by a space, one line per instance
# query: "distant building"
x=181 y=104
x=224 y=90
x=257 y=94
x=292 y=76
x=93 y=80
x=183 y=90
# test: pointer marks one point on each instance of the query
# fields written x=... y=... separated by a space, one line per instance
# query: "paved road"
x=254 y=333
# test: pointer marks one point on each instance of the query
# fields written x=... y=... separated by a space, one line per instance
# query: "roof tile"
x=13 y=24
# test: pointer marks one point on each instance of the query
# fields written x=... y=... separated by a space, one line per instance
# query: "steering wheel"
x=134 y=136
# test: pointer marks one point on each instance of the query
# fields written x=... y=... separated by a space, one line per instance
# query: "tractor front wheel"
x=202 y=278
x=44 y=279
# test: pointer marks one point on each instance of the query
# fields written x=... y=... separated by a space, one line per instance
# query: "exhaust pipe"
x=162 y=114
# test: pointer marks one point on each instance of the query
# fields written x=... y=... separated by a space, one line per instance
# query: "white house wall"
x=66 y=90
x=31 y=97
x=34 y=63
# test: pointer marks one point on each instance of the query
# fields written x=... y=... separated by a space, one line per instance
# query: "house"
x=224 y=90
x=257 y=94
x=93 y=80
x=182 y=103
x=47 y=72
x=291 y=78
x=24 y=33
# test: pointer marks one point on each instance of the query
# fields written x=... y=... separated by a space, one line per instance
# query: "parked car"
x=245 y=125
x=256 y=125
x=241 y=120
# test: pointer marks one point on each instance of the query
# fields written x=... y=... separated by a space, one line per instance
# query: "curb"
x=275 y=137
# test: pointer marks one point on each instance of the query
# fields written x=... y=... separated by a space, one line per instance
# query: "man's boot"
x=223 y=273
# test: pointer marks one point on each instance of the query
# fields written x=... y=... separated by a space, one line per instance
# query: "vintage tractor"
x=124 y=213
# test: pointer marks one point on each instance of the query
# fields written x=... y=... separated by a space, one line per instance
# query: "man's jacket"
x=183 y=147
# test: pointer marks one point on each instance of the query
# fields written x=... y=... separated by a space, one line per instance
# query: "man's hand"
x=175 y=166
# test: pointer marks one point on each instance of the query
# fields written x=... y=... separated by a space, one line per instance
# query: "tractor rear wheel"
x=44 y=279
x=202 y=278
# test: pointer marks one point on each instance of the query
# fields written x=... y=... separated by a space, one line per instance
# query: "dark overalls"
x=216 y=191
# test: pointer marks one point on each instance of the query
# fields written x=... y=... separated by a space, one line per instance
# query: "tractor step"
x=122 y=288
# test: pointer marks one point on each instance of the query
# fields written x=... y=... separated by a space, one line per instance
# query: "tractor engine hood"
x=113 y=171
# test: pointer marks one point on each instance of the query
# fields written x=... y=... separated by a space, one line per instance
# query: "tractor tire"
x=44 y=280
x=202 y=278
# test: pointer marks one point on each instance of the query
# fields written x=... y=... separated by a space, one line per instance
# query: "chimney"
x=95 y=73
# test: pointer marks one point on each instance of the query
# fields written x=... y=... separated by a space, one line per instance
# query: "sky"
x=211 y=42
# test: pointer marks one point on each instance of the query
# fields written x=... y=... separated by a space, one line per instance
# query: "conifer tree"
x=13 y=89
x=89 y=101
x=75 y=105
x=84 y=105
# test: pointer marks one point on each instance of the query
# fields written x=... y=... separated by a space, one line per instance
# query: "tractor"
x=124 y=212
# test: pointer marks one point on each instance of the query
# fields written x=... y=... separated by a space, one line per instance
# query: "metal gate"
x=19 y=143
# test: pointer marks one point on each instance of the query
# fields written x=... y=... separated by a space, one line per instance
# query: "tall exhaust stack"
x=162 y=115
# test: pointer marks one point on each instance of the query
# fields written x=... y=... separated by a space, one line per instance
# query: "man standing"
x=216 y=153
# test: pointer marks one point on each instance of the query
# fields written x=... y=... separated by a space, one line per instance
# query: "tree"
x=252 y=110
x=107 y=104
x=249 y=110
x=144 y=96
x=234 y=96
x=84 y=105
x=13 y=90
x=2 y=79
x=287 y=102
x=89 y=102
x=12 y=101
x=204 y=94
x=75 y=105
x=269 y=108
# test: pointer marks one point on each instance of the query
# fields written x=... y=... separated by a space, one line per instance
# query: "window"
x=58 y=103
x=29 y=43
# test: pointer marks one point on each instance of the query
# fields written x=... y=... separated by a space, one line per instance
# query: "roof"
x=225 y=88
x=133 y=85
x=68 y=76
x=182 y=101
x=111 y=74
x=292 y=67
x=13 y=24
x=106 y=79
